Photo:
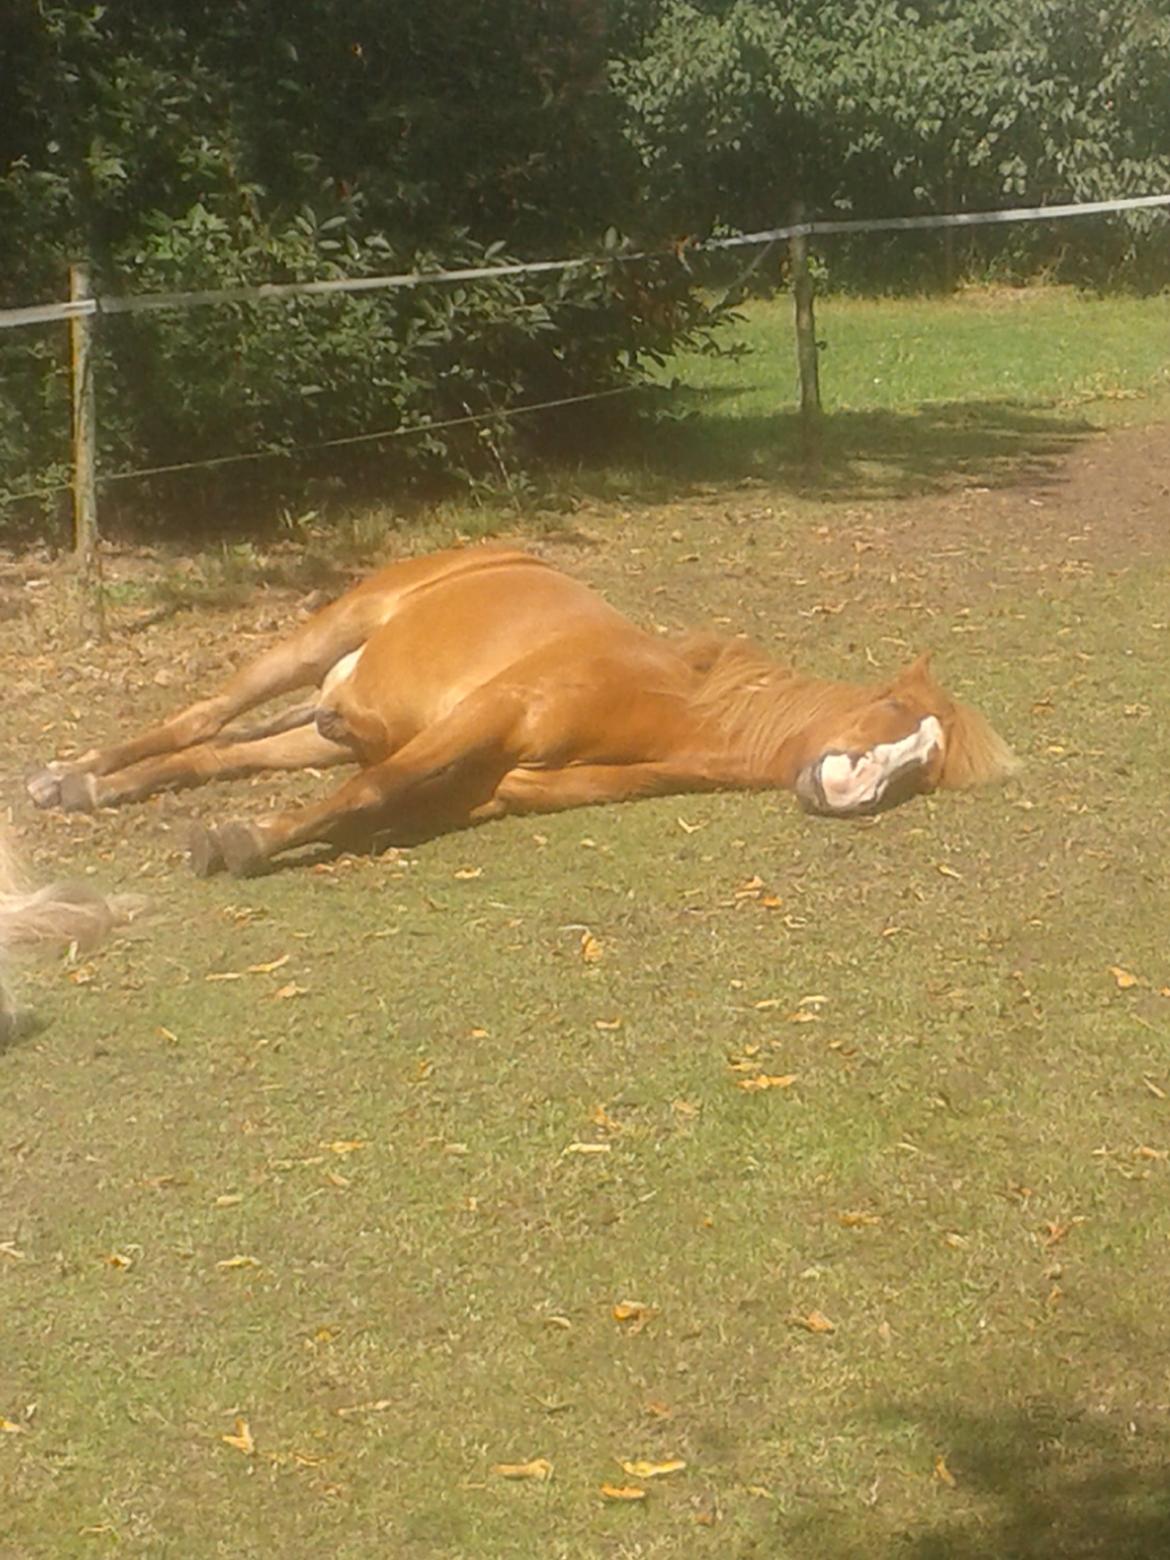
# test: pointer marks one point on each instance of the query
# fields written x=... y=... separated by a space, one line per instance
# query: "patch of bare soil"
x=1104 y=504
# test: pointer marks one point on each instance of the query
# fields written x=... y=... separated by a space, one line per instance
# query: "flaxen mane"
x=976 y=755
x=759 y=704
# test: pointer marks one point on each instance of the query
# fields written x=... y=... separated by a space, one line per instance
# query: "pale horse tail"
x=58 y=915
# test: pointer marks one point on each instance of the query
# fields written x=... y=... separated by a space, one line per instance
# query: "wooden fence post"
x=85 y=521
x=806 y=338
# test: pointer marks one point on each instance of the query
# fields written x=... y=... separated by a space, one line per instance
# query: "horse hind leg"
x=303 y=747
x=306 y=658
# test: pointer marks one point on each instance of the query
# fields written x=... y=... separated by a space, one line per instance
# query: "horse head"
x=887 y=744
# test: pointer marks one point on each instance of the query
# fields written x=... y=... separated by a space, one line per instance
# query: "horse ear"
x=916 y=674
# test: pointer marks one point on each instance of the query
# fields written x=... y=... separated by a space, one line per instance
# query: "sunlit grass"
x=1049 y=347
x=307 y=1152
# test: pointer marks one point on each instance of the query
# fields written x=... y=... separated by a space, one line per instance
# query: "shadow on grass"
x=653 y=446
x=1044 y=1482
x=862 y=455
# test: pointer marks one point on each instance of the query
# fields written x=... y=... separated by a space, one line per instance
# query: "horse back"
x=449 y=633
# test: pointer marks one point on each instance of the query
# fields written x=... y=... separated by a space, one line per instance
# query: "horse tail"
x=975 y=752
x=62 y=913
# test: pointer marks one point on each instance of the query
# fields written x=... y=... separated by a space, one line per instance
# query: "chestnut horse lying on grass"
x=61 y=913
x=472 y=684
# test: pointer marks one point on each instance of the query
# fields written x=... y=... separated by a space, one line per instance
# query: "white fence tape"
x=38 y=314
x=954 y=219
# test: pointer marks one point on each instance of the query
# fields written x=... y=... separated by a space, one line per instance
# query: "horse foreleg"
x=470 y=748
x=586 y=785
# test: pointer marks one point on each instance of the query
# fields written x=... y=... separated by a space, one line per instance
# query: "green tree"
x=879 y=107
x=186 y=146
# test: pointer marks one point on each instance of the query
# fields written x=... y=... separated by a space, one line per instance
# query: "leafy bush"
x=189 y=147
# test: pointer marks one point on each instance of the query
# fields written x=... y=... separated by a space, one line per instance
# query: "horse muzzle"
x=841 y=784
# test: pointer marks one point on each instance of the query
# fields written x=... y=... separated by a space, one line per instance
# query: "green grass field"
x=326 y=1194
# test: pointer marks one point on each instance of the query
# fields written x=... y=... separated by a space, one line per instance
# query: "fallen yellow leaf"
x=634 y=1311
x=119 y=1259
x=465 y=874
x=237 y=1262
x=378 y=1406
x=815 y=1322
x=1124 y=978
x=591 y=950
x=1056 y=1230
x=10 y=1427
x=942 y=1473
x=948 y=871
x=283 y=993
x=607 y=1024
x=856 y=1219
x=600 y=1117
x=539 y=1468
x=622 y=1492
x=587 y=1148
x=342 y=1146
x=273 y=964
x=767 y=1081
x=243 y=1440
x=640 y=1468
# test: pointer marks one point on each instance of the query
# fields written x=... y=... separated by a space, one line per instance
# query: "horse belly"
x=446 y=643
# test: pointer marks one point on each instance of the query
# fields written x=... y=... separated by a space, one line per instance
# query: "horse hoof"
x=44 y=787
x=240 y=847
x=77 y=792
x=203 y=853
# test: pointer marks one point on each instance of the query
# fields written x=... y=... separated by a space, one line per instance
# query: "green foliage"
x=887 y=108
x=183 y=145
x=187 y=148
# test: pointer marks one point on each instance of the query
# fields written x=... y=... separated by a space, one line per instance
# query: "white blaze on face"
x=851 y=783
x=338 y=674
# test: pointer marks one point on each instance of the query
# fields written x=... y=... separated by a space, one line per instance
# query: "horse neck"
x=765 y=713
